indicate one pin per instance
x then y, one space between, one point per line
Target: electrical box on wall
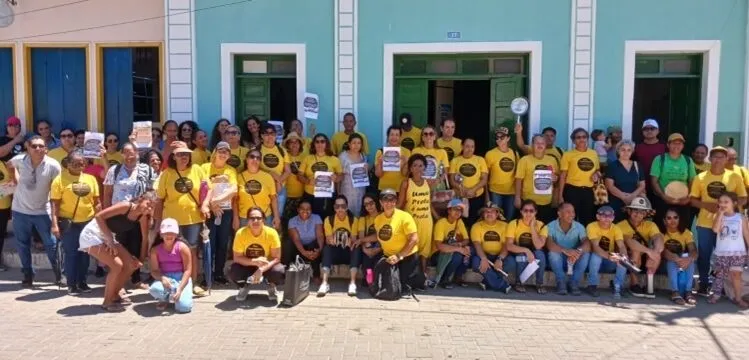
729 139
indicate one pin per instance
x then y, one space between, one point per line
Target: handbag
64 223
296 285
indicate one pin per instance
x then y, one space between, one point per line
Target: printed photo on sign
219 189
430 171
311 106
542 181
391 159
359 175
323 181
92 144
278 125
142 131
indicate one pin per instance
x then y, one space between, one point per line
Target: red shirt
645 153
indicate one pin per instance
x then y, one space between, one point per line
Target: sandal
113 308
713 298
691 300
161 306
741 304
519 288
124 301
677 299
540 289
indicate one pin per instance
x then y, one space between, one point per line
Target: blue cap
605 209
455 203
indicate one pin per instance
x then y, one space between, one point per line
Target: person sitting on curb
645 243
525 240
488 237
605 238
680 254
171 265
451 237
568 243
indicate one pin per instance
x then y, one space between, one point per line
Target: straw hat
180 147
492 206
292 136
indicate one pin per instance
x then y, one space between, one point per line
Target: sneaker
272 293
482 286
73 290
575 291
650 295
704 290
242 294
84 288
99 272
561 289
3 268
351 289
617 292
593 291
507 289
637 291
323 289
28 281
447 285
198 291
370 276
430 283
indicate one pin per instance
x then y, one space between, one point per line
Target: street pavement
45 323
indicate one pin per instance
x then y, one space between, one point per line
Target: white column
179 78
345 15
745 125
582 58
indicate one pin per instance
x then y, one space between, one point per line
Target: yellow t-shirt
605 238
580 166
70 189
555 153
5 177
646 228
534 185
272 160
520 233
114 159
294 187
708 187
677 242
435 157
305 146
393 232
340 138
502 167
255 190
199 156
340 229
418 201
217 184
256 246
491 237
705 166
58 154
452 147
236 159
391 179
471 169
366 225
313 163
445 232
741 172
175 192
411 139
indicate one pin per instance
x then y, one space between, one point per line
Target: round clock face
519 106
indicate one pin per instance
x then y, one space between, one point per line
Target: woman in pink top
171 265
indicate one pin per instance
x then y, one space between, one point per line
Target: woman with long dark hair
348 158
171 265
340 244
321 158
217 134
680 253
187 131
371 251
251 132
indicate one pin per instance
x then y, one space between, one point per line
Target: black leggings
292 252
4 218
583 201
132 240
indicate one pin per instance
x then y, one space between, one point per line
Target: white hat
169 226
650 122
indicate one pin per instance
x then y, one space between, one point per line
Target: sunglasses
388 198
37 146
321 141
112 140
256 218
429 133
65 136
254 157
606 214
340 206
182 154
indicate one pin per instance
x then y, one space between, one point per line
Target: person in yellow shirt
257 257
415 198
275 162
340 248
340 138
437 167
75 199
321 159
550 136
200 152
488 237
223 180
525 240
468 177
396 233
297 127
706 189
580 171
411 135
644 242
5 201
370 247
112 143
535 177
67 145
392 179
294 188
502 162
238 152
256 189
699 156
732 166
452 145
605 239
217 134
451 238
179 194
680 254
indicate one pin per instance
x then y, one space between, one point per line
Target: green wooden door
412 96
503 90
253 98
685 110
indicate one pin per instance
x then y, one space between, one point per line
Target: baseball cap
267 127
605 210
718 149
455 203
223 145
387 192
169 226
502 131
675 137
14 120
650 123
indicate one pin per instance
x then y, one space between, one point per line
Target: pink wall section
64 23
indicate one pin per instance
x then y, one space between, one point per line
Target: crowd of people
605 205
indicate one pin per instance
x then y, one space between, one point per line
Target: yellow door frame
100 74
27 47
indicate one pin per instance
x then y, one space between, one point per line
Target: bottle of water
172 293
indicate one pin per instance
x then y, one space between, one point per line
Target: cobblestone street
45 323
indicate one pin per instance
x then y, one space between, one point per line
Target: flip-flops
113 308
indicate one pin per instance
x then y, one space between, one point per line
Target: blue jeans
673 275
456 268
558 264
492 279
191 233
76 262
506 203
184 303
335 255
705 246
22 226
219 236
511 265
281 198
598 264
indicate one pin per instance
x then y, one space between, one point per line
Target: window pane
255 67
283 67
647 66
413 67
508 66
475 66
677 66
443 67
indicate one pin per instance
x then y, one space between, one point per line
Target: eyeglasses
65 136
232 132
339 206
256 218
254 157
606 214
321 141
369 203
112 140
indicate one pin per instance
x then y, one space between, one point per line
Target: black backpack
387 281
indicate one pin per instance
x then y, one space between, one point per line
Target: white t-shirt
32 193
730 241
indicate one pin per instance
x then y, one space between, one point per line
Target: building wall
265 22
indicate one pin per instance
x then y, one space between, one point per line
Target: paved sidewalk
44 323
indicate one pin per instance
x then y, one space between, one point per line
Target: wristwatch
400 258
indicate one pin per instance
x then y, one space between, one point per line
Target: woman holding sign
535 178
355 172
435 169
319 172
468 177
391 167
